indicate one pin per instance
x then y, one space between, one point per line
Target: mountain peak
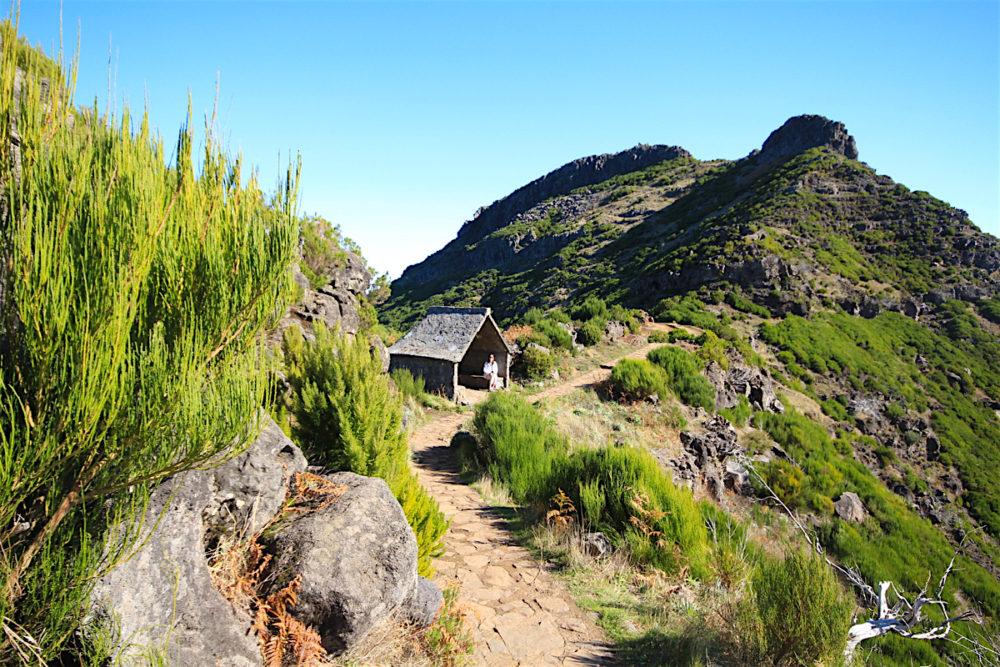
801 133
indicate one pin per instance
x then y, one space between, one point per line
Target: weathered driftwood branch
905 618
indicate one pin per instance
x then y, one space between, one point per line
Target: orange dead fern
239 571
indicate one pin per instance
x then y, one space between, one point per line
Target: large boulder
357 558
850 508
163 597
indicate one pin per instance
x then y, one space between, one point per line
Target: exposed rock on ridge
804 132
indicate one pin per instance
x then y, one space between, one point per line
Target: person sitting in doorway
492 373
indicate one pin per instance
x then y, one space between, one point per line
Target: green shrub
533 316
554 335
348 418
536 363
521 447
592 307
712 349
683 371
739 414
559 315
796 614
659 337
990 309
660 522
323 249
638 379
612 486
681 334
407 384
134 285
740 302
591 332
835 409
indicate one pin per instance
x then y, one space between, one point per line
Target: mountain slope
799 222
873 308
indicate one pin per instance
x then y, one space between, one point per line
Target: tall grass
131 298
621 491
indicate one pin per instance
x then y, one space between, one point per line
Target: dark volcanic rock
706 459
804 132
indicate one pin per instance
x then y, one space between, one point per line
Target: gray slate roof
445 333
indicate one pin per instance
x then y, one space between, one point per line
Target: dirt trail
520 613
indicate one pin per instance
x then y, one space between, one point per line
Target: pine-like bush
638 379
796 614
347 417
684 377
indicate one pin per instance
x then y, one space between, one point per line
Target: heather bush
683 374
133 289
536 363
590 332
796 613
638 379
347 417
622 491
659 337
408 385
591 308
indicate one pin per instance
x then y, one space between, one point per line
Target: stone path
520 613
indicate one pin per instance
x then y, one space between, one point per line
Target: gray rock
163 597
248 490
736 477
596 545
742 380
850 508
353 276
357 558
423 605
379 348
614 331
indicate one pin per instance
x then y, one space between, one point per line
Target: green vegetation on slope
877 356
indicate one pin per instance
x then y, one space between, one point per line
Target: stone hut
449 347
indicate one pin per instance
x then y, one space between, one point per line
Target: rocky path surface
519 612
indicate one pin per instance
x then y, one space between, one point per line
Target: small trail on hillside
520 614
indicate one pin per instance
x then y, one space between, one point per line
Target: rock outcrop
850 508
804 132
710 460
742 380
357 559
336 303
163 597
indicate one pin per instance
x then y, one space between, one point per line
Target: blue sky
410 116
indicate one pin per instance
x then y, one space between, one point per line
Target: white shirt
491 368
